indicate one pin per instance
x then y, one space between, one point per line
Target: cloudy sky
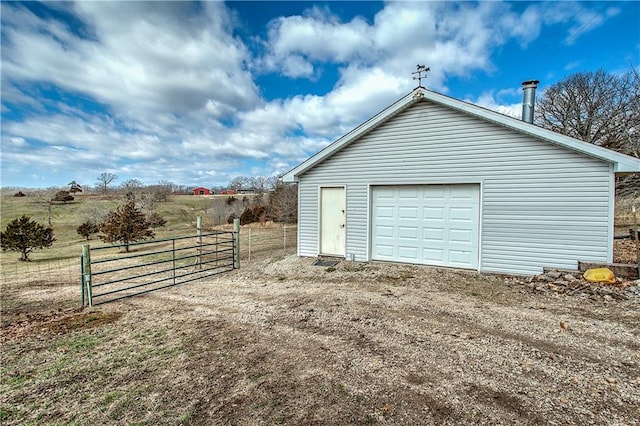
198 93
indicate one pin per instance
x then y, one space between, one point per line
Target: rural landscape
281 341
276 180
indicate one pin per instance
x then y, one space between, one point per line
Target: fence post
86 271
82 281
236 243
199 229
284 237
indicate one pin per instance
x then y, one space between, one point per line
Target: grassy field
60 263
180 211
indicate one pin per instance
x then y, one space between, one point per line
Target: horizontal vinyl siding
541 205
307 220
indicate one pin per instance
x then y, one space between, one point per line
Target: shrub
254 214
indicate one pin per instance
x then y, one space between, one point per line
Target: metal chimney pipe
529 99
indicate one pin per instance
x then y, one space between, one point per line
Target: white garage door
426 224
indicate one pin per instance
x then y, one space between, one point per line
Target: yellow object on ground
600 275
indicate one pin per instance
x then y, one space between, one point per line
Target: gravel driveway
401 344
283 342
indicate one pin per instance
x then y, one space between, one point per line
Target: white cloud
165 100
142 57
488 100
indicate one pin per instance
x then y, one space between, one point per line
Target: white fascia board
621 162
337 145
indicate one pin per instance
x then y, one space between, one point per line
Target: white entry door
426 224
332 221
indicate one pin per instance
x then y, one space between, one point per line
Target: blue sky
198 93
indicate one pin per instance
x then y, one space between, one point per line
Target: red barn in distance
201 191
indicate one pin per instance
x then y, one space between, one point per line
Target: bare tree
260 184
95 211
239 183
131 188
162 190
283 203
103 181
47 198
273 182
596 107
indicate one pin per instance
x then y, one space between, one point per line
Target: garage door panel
427 224
384 212
460 236
409 254
383 193
434 193
464 214
459 257
408 233
463 194
408 193
433 234
384 252
434 213
433 256
384 231
408 213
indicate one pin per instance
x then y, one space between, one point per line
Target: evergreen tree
156 221
87 229
126 224
25 235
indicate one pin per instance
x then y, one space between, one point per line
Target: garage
433 180
426 224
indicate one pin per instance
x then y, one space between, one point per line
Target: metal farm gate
108 274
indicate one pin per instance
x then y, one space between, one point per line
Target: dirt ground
281 341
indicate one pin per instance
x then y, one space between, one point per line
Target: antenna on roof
421 69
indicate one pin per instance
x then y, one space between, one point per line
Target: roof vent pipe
529 99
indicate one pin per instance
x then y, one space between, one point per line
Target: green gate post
81 281
236 243
86 271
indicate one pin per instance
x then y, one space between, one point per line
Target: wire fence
260 241
256 242
42 271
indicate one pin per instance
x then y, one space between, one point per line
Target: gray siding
541 205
